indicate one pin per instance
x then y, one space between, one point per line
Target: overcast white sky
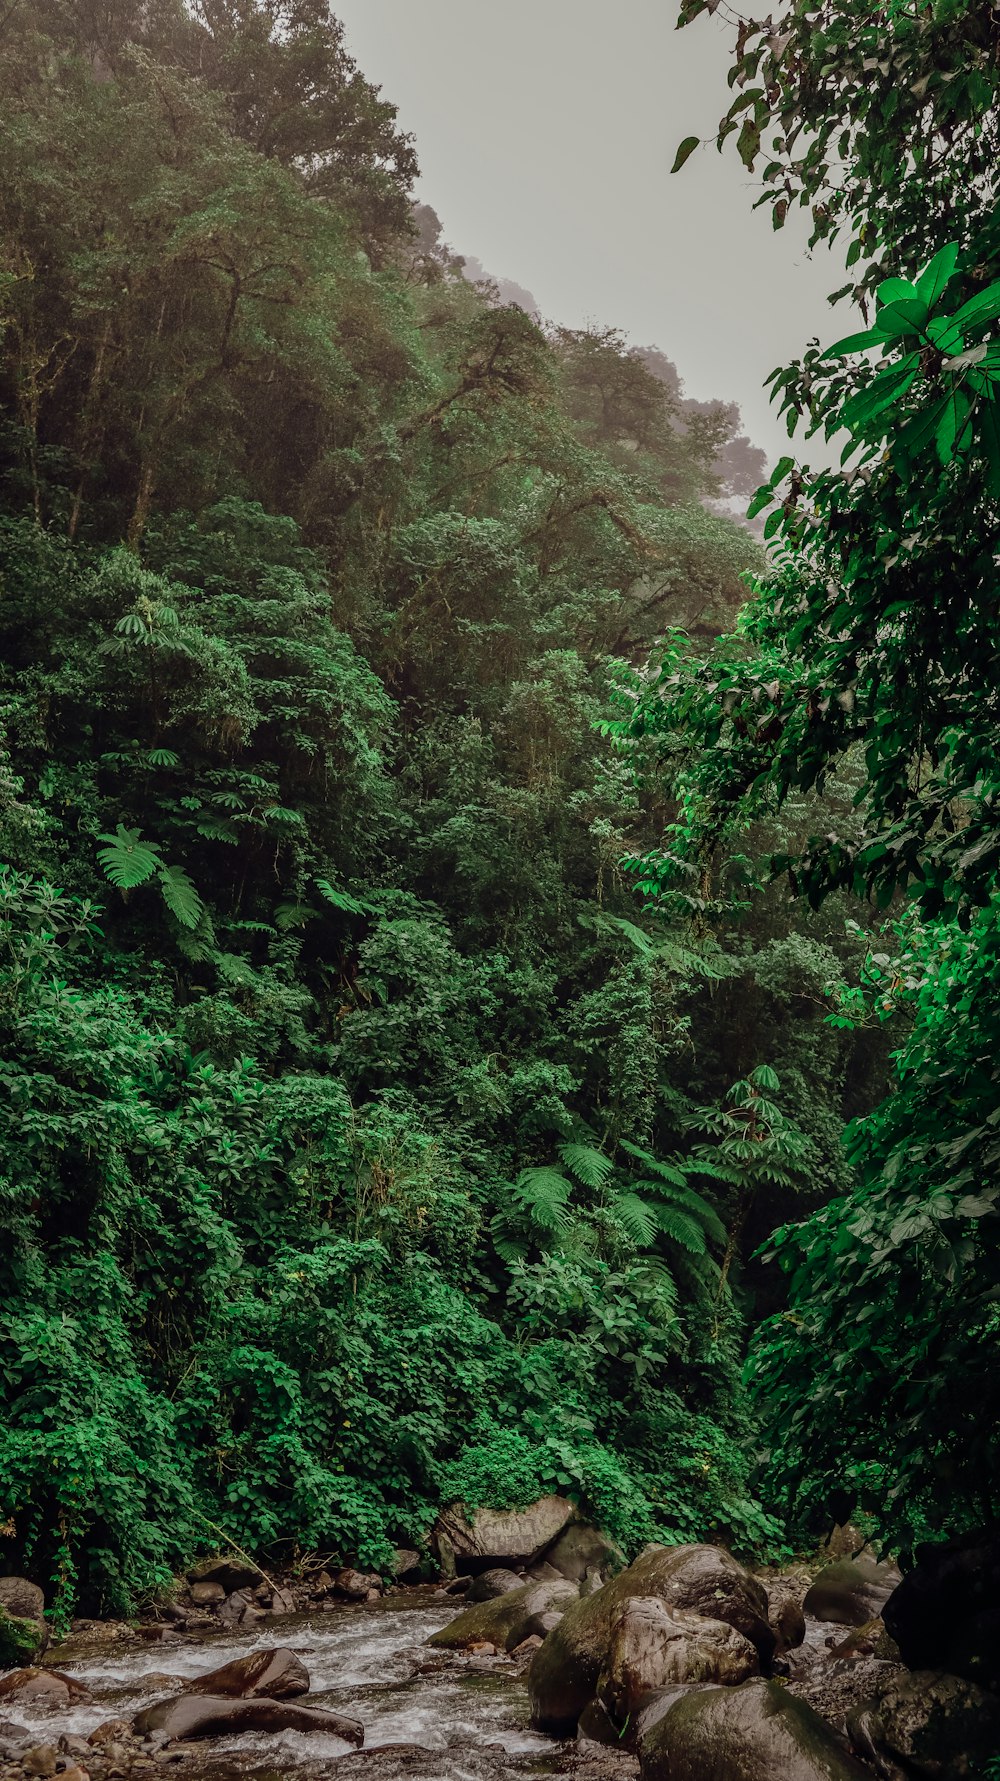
546 130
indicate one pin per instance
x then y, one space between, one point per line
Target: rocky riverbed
683 1667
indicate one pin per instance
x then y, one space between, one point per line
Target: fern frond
180 896
127 860
681 1228
544 1192
590 1167
341 899
638 1218
687 1199
671 1171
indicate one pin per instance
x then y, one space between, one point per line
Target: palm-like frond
544 1193
127 860
589 1166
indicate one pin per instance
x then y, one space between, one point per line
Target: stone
110 1732
653 1646
845 1541
24 1600
850 1591
231 1571
581 1549
527 1646
279 1674
283 1602
73 1772
789 1623
208 1593
357 1584
21 1640
406 1564
42 1759
945 1614
564 1674
520 1534
870 1640
506 1620
72 1745
934 1724
493 1583
210 1716
757 1731
50 1688
239 1609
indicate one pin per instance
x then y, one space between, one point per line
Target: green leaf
854 343
988 424
685 152
342 899
892 290
180 896
885 389
985 307
937 274
681 1229
904 317
637 1216
951 425
128 860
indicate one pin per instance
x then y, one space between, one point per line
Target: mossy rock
21 1641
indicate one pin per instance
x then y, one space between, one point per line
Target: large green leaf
127 860
180 896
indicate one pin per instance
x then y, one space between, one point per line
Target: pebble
43 1759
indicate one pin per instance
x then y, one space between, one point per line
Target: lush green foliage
363 1142
862 680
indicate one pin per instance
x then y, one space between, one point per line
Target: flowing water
435 1715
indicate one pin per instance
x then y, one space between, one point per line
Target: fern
342 899
180 896
681 1228
127 860
589 1166
637 1217
544 1192
687 1199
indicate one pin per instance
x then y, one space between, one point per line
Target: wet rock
490 1584
653 1646
945 1613
870 1640
507 1620
208 1716
283 1602
49 1688
24 1600
71 1745
208 1593
73 1772
110 1734
357 1584
851 1591
527 1646
239 1609
597 1726
703 1579
789 1624
102 1632
845 1541
500 1533
581 1548
42 1759
21 1640
757 1731
278 1674
834 1686
406 1564
232 1572
936 1725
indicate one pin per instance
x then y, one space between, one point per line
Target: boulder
851 1591
239 1609
945 1614
358 1585
42 1760
208 1716
757 1731
22 1599
231 1572
703 1579
507 1620
50 1688
788 1623
580 1549
283 1602
936 1725
278 1674
207 1594
406 1564
21 1640
653 1646
491 1534
493 1583
870 1640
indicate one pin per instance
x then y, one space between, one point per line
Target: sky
546 130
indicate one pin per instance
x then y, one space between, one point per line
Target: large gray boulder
507 1619
654 1647
22 1599
851 1591
212 1716
490 1584
706 1580
941 1726
492 1534
756 1732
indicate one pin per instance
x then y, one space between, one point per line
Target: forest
499 954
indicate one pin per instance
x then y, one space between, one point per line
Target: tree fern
127 860
544 1193
342 899
681 1228
637 1216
